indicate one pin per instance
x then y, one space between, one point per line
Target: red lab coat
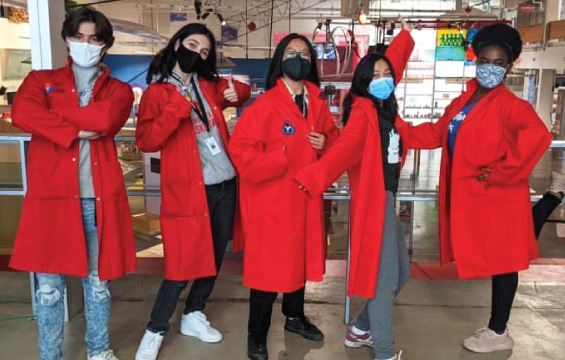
50 236
486 227
358 150
283 229
164 125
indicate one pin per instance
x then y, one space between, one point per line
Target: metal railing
341 194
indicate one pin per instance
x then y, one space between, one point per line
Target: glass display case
435 75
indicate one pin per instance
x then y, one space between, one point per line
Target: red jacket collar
473 85
313 91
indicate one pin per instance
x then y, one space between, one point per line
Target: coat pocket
179 199
50 178
113 180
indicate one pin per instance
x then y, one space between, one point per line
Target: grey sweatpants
394 272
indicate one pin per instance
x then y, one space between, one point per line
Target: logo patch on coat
288 128
49 88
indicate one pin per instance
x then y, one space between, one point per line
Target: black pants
261 309
504 286
221 204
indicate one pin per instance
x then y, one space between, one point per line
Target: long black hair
275 66
163 63
387 109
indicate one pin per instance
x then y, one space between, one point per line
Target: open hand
404 24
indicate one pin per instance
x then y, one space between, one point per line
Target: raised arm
159 117
31 113
399 51
346 152
226 89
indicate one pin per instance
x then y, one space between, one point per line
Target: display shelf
416 118
430 77
447 91
428 85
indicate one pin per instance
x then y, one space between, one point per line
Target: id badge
213 146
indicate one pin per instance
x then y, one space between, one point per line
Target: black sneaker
257 348
303 327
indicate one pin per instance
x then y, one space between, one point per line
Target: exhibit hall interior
255 179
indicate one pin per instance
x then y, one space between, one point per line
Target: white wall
13 36
551 58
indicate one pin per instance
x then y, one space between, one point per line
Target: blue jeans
50 299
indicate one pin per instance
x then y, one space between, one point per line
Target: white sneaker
106 355
149 346
397 356
485 341
197 325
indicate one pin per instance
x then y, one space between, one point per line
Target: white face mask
85 54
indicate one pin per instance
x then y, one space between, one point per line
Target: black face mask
189 61
296 68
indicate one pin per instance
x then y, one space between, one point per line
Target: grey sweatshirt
216 167
85 78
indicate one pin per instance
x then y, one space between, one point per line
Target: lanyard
200 112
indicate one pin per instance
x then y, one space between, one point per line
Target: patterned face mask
490 76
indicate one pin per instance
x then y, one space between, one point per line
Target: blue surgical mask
381 88
490 76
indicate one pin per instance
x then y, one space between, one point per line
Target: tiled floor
432 317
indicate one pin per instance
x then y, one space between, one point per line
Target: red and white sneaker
353 340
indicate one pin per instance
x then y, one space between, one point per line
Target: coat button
96 163
76 196
74 159
200 183
73 90
206 214
97 199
